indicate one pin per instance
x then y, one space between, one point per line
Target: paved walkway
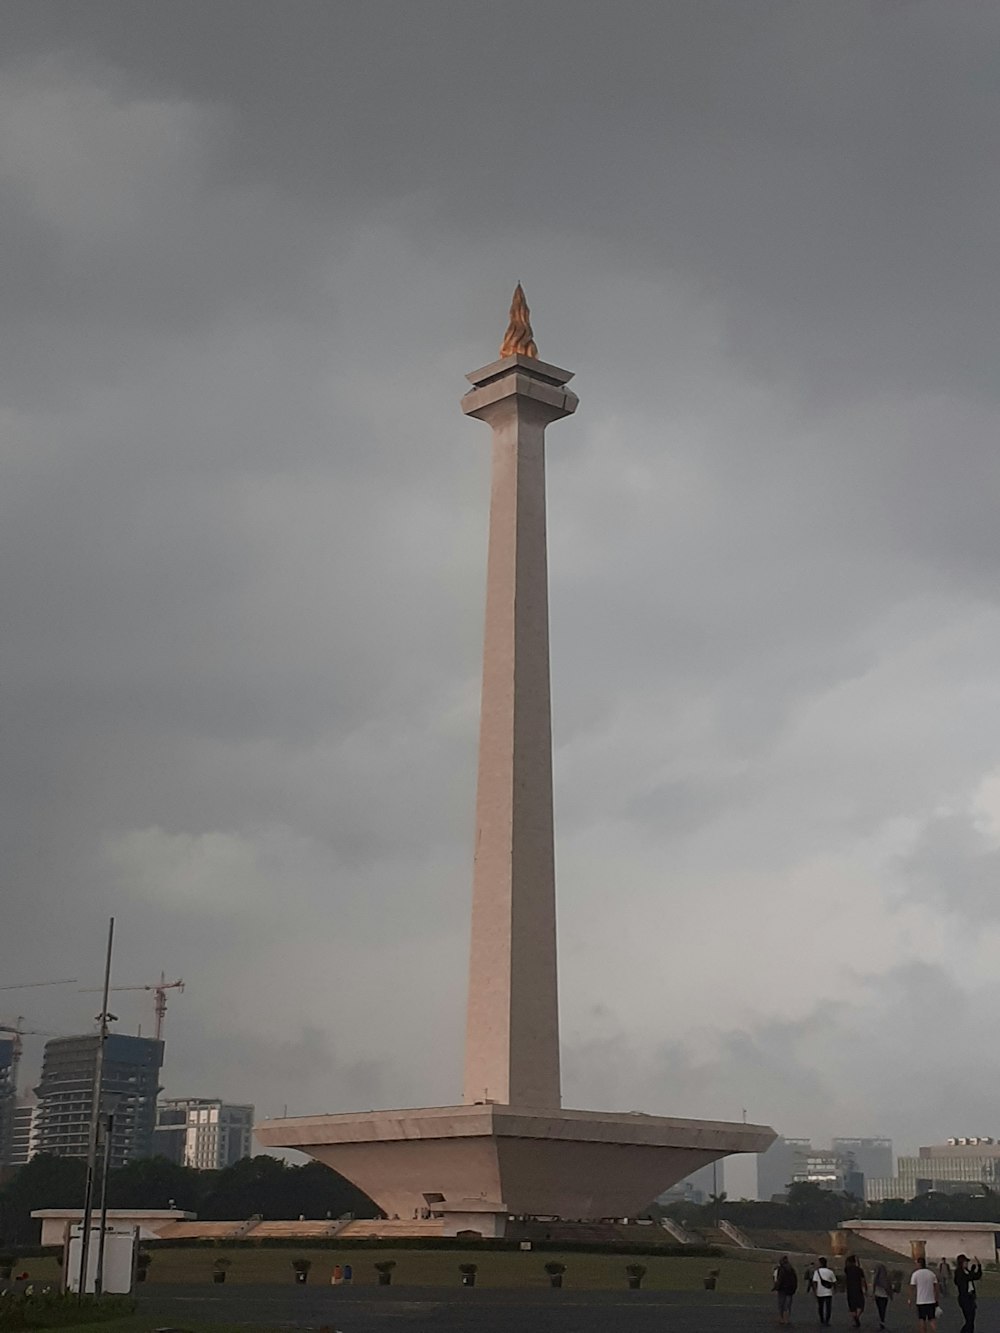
490 1310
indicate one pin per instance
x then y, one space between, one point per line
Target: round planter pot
710 1284
556 1279
384 1279
468 1279
301 1278
634 1283
218 1277
140 1275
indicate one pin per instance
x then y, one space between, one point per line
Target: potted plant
712 1279
220 1266
636 1272
302 1267
468 1272
384 1269
555 1271
142 1261
7 1262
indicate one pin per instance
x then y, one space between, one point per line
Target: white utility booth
119 1258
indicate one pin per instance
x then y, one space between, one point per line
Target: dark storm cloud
808 1073
249 251
822 169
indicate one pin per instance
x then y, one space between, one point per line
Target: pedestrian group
926 1289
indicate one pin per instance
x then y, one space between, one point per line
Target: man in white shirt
924 1291
823 1282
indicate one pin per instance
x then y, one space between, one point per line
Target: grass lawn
439 1268
739 1273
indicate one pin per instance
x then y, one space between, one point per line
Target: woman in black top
857 1288
786 1284
966 1277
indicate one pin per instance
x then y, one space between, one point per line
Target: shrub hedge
438 1243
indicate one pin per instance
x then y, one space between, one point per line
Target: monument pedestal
476 1165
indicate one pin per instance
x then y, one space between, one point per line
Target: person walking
881 1291
857 1288
966 1277
823 1282
925 1293
944 1277
786 1284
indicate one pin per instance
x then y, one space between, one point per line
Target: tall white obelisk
512 1030
511 1149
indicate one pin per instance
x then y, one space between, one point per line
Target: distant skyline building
203 1132
23 1136
955 1166
845 1166
830 1171
130 1088
8 1097
699 1186
776 1167
872 1157
739 1176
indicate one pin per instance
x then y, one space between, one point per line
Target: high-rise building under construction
130 1083
8 1097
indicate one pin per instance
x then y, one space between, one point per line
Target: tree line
261 1185
276 1190
809 1207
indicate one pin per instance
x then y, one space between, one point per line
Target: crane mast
159 989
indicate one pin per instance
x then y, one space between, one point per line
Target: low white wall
942 1240
57 1221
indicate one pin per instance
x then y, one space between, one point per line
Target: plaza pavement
502 1310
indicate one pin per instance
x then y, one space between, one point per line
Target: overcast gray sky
249 252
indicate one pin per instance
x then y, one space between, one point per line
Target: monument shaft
512 1031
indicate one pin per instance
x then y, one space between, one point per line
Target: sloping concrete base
578 1165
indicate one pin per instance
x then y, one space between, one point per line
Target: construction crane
159 989
18 1031
27 985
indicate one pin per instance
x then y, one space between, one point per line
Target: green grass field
738 1272
437 1268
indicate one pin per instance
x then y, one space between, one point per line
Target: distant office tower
845 1166
696 1188
130 1085
8 1096
22 1139
740 1179
776 1168
960 1166
202 1132
872 1157
830 1171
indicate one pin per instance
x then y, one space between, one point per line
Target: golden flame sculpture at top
519 339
